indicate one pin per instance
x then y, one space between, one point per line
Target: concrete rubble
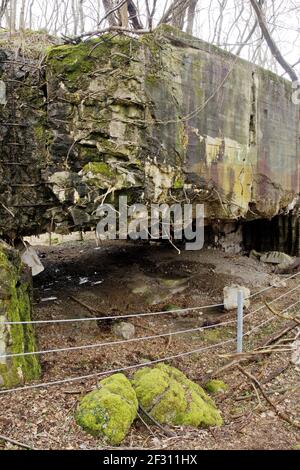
231 294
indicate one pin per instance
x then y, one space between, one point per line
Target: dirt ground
120 278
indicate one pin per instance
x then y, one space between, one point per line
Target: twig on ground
165 431
270 392
83 304
278 335
16 443
282 315
286 391
275 373
146 425
205 378
7 209
279 413
256 393
73 392
256 352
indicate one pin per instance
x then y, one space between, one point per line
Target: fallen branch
279 413
92 310
244 356
73 392
165 431
276 336
287 390
205 378
273 375
256 352
145 424
270 392
268 379
282 315
95 312
16 443
99 32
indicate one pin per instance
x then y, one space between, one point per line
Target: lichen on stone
110 410
171 398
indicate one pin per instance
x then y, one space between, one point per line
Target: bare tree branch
174 12
271 43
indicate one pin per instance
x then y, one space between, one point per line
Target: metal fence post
240 321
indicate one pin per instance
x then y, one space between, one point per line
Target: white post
240 321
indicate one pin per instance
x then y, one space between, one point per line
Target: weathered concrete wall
238 141
161 117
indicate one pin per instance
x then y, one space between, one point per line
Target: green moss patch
109 411
171 398
15 306
99 174
216 386
72 62
98 168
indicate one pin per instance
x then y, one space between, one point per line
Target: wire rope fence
218 345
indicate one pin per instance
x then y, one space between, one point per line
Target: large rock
282 260
171 398
15 306
124 330
276 257
110 410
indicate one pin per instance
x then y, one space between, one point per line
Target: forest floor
122 278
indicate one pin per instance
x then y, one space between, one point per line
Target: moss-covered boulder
216 386
171 398
15 306
110 410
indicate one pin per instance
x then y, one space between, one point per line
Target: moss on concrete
98 168
15 306
73 62
110 410
171 398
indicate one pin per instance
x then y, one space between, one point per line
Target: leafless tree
264 31
191 16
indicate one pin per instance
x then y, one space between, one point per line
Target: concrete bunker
157 118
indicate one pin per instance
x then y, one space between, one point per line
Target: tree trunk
108 7
123 14
175 14
13 13
81 16
134 15
179 12
191 16
22 16
3 8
